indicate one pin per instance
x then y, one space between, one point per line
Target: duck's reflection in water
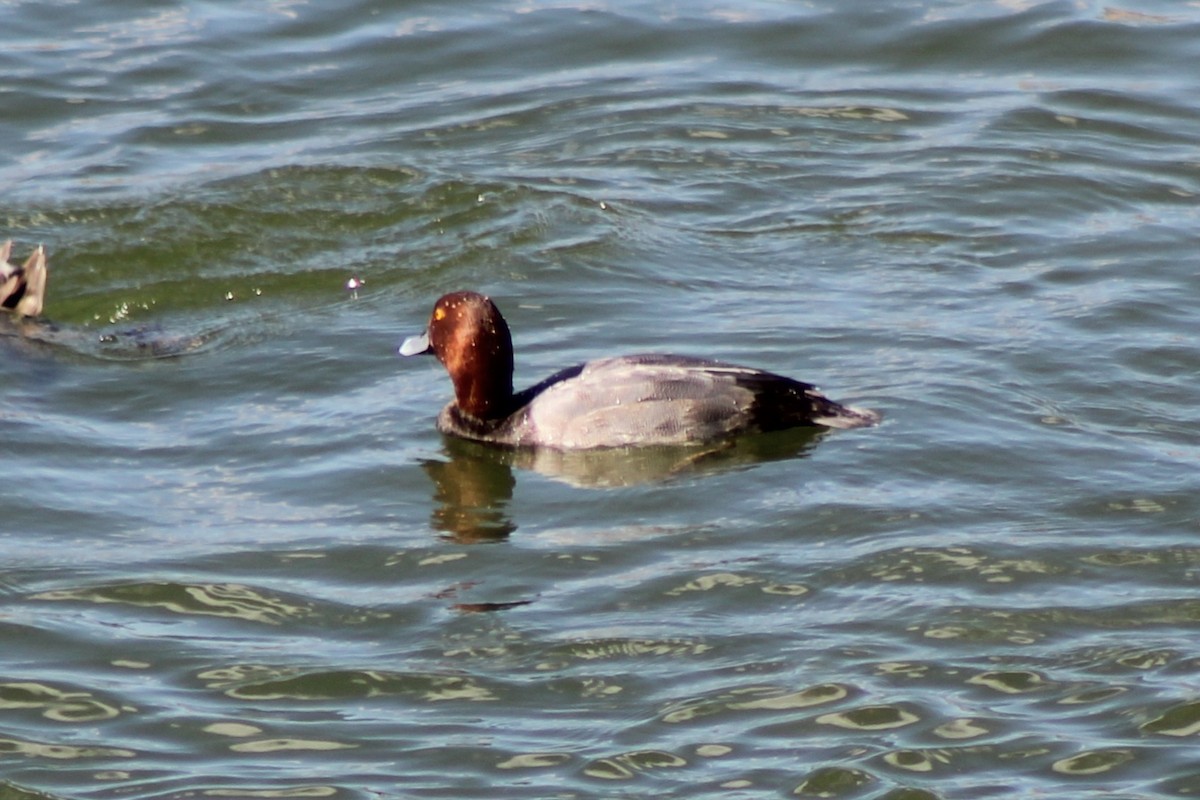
473 487
471 492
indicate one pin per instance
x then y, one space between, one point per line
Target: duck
634 400
23 289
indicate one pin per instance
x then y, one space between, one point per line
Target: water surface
238 561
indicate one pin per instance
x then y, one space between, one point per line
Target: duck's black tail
781 403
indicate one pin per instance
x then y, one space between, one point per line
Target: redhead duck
646 399
23 289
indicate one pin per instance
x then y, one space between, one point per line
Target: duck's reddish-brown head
469 336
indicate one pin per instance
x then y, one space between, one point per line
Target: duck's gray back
654 399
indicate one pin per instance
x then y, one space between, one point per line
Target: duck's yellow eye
439 314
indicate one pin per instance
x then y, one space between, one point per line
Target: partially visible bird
23 288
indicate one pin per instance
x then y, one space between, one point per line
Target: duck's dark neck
484 399
484 388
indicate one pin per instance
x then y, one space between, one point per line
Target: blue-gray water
236 560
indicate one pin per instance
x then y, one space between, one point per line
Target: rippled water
236 560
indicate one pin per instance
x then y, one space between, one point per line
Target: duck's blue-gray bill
416 345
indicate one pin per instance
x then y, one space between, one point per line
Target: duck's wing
777 402
642 399
665 399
